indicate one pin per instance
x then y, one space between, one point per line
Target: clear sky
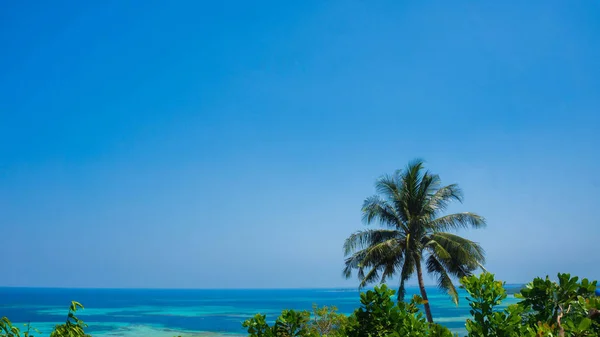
231 143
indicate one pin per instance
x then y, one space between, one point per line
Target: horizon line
232 288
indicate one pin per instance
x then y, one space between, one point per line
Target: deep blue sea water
154 312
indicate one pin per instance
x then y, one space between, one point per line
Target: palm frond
375 208
439 200
367 238
376 254
390 268
353 262
411 178
381 257
436 248
459 255
434 266
456 221
370 277
387 186
428 184
386 267
382 252
412 172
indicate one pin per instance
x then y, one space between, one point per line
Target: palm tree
409 204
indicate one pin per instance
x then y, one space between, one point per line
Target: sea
191 312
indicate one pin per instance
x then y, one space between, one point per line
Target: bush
485 295
328 322
379 316
565 308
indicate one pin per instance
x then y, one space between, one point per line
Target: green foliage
485 295
257 326
436 330
293 323
73 327
290 323
7 329
328 322
565 308
410 205
379 316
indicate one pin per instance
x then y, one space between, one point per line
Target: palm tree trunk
424 293
401 291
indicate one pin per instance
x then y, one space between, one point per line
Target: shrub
565 308
328 322
379 316
485 295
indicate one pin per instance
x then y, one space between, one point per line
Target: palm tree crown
410 204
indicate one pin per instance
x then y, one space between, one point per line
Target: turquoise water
162 313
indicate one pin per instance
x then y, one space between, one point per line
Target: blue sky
231 143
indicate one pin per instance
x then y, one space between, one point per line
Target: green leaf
584 324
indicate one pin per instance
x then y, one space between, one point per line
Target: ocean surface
162 313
